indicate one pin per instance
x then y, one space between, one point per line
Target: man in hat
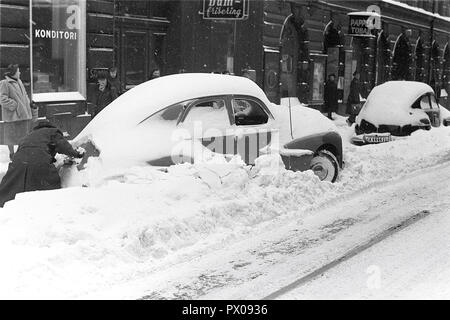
16 108
32 167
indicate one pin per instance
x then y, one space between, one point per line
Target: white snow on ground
411 264
74 242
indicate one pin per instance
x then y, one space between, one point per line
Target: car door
207 121
253 127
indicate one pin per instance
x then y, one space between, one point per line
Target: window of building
148 8
134 58
58 29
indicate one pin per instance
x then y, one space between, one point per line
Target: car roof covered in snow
390 102
149 97
397 94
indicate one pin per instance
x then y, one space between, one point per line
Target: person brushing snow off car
32 166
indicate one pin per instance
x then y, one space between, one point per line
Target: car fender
331 141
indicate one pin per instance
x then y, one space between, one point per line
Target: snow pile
132 222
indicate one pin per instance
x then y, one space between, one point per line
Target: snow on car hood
305 122
390 103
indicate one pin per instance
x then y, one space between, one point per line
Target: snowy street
412 264
229 231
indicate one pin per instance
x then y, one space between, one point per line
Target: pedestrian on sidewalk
105 93
354 100
17 111
114 80
331 96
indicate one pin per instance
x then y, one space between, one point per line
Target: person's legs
11 151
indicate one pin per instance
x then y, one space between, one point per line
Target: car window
248 112
211 114
169 115
434 103
425 102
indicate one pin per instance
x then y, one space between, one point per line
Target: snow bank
139 220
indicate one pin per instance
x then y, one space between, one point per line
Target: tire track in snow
360 248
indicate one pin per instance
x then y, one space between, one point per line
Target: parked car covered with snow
398 108
174 119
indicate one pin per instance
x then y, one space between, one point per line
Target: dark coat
353 96
116 85
103 98
331 96
32 166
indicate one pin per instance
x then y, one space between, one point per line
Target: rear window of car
167 115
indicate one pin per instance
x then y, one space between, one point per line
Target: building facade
290 46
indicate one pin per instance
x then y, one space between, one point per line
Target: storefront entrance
142 51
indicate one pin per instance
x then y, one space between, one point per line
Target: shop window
58 50
142 8
317 78
133 58
133 8
221 47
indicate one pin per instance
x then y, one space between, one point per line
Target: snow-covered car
168 120
398 108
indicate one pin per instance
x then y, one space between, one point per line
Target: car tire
325 165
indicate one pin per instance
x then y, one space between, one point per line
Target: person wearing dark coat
32 166
115 81
331 96
104 95
353 98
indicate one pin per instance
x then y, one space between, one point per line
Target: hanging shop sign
363 24
225 9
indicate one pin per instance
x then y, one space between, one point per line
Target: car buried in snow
396 109
166 121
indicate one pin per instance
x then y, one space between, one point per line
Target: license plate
376 138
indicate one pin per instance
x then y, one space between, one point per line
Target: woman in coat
32 167
16 110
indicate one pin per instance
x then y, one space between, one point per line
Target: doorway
142 51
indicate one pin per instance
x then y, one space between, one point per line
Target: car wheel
325 165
